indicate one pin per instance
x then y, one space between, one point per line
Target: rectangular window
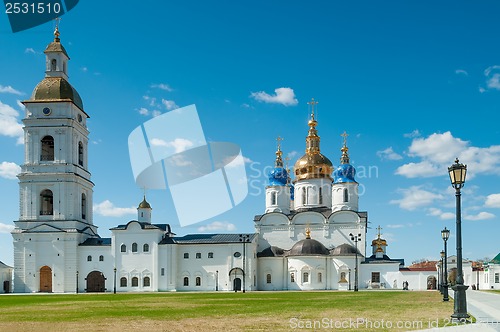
497 278
162 271
376 277
210 255
268 278
198 255
320 278
186 255
292 277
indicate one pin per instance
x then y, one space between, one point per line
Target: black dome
344 250
308 247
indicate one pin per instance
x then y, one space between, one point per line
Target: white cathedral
311 235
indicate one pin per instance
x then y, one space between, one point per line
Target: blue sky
414 83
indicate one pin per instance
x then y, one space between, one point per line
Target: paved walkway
485 306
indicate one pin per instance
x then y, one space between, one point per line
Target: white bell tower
345 188
278 190
54 183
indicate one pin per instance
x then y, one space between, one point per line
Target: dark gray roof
384 259
345 250
207 239
96 241
308 247
3 265
144 225
325 211
271 252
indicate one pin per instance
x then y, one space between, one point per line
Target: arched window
292 277
123 282
134 247
273 198
89 258
53 65
320 277
47 148
198 281
342 277
303 195
146 282
123 248
46 203
346 195
135 282
320 195
145 247
305 277
84 206
101 258
80 153
186 281
268 278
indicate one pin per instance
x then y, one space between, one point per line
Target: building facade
311 236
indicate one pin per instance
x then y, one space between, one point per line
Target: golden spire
345 156
312 139
379 229
279 160
308 233
56 31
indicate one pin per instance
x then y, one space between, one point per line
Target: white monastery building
310 236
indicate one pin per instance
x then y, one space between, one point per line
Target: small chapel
311 234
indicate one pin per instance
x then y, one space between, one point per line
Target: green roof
496 260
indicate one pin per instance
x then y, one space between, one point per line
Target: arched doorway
45 279
95 282
431 282
237 284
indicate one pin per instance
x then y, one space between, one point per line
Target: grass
252 311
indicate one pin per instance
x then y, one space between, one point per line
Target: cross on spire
279 139
379 229
344 135
312 103
56 30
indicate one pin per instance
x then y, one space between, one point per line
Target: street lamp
76 282
441 274
457 174
114 281
217 280
445 234
244 238
356 238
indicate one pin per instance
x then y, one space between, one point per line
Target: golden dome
379 241
313 165
144 204
52 89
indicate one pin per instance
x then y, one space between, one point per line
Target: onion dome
345 172
308 247
144 204
313 164
52 89
278 175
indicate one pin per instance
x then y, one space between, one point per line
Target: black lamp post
244 238
457 174
76 282
445 234
114 280
441 273
217 280
356 238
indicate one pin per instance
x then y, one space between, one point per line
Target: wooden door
95 282
46 279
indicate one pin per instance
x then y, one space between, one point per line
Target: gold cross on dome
379 229
344 135
312 103
279 139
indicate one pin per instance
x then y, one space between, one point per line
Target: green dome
56 89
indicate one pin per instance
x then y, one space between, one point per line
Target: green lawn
256 311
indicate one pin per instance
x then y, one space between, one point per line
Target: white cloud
217 226
178 144
488 70
493 201
245 105
481 89
169 104
9 126
480 216
143 111
107 209
413 134
461 72
292 154
84 69
162 86
438 151
493 78
29 50
9 89
6 229
9 170
415 197
389 154
284 96
442 215
395 226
